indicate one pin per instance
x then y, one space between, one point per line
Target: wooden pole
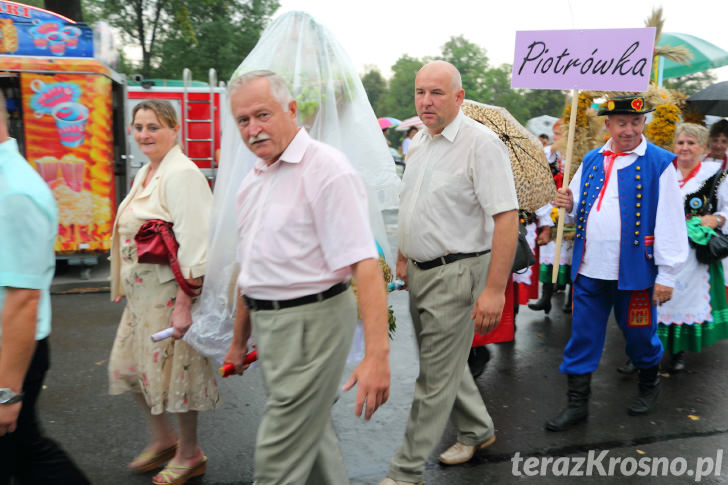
567 171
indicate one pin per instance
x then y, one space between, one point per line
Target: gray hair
278 86
698 132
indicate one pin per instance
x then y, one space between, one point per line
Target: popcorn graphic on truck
61 101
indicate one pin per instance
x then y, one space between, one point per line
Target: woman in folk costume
546 220
526 281
718 154
718 144
334 109
697 314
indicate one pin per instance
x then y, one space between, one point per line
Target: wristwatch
7 396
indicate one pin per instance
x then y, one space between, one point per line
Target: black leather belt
254 304
450 258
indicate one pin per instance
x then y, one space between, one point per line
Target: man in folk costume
629 244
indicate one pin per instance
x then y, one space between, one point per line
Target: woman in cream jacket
167 376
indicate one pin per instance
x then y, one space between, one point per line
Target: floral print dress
172 376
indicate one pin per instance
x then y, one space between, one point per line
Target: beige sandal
150 460
179 474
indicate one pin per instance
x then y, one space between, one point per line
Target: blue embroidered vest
639 190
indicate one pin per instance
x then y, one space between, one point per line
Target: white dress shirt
455 182
603 227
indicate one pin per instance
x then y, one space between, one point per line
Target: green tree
186 33
545 102
67 8
399 101
221 32
376 87
692 83
140 22
472 62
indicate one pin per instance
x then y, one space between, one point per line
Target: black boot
544 303
568 300
478 358
577 408
627 368
649 390
678 362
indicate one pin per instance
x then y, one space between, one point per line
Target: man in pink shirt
303 233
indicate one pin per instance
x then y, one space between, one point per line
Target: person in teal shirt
28 227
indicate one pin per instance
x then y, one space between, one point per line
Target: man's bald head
438 94
445 67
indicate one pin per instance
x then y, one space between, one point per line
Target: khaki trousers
441 304
302 352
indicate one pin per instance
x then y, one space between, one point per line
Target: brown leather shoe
460 453
389 481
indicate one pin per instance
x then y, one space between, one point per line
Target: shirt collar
452 129
292 154
639 150
9 146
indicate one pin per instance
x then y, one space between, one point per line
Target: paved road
521 387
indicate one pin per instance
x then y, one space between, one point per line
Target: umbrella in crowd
705 55
534 183
712 100
542 125
387 121
409 123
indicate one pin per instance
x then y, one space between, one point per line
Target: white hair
278 86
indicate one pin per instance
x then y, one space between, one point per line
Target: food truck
67 111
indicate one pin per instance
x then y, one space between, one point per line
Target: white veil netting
334 108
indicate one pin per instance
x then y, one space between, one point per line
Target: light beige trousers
441 304
302 352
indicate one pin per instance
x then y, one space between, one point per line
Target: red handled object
228 369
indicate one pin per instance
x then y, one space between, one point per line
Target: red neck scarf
608 171
723 165
690 175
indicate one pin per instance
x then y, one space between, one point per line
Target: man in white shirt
304 231
458 226
629 245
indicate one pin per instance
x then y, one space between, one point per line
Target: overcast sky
378 32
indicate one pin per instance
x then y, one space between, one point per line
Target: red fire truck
198 109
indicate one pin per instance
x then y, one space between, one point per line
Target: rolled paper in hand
162 334
397 284
228 369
